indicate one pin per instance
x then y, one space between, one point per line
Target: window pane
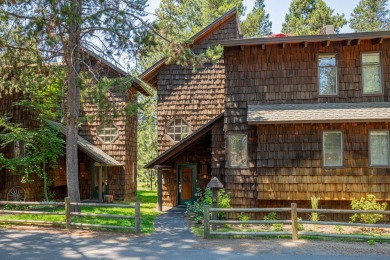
328 85
238 150
379 148
327 60
332 150
177 129
371 73
370 58
108 133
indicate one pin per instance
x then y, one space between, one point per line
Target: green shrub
271 216
274 216
367 204
314 205
300 226
195 208
339 229
277 227
244 217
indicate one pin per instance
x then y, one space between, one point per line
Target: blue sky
277 10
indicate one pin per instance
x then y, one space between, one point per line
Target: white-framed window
107 133
379 147
238 150
177 129
327 75
371 73
332 148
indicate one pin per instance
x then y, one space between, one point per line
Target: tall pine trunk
72 59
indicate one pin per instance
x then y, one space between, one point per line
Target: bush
244 217
195 208
367 204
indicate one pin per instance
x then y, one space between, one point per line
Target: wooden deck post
159 188
137 217
67 212
206 224
100 179
294 221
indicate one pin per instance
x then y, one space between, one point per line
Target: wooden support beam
355 42
159 188
326 43
100 179
304 45
377 41
346 42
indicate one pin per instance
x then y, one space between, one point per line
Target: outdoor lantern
214 185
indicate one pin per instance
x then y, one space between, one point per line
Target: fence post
206 219
137 218
294 221
67 212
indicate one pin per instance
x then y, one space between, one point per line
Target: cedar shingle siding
280 75
285 159
195 97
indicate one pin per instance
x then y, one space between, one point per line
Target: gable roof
137 84
183 144
149 75
348 37
92 151
319 113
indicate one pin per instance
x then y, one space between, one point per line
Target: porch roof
319 113
89 149
183 144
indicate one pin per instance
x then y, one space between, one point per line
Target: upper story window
332 148
107 133
379 148
238 150
371 73
177 129
327 75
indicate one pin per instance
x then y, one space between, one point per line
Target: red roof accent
279 35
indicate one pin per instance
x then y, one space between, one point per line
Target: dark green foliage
147 139
370 15
257 23
195 208
307 17
42 147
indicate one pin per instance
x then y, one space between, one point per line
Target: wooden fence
69 214
293 222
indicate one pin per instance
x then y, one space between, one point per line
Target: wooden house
107 151
277 120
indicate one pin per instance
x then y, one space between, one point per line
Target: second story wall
290 75
193 98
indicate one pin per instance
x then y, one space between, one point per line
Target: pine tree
60 28
307 17
370 15
257 23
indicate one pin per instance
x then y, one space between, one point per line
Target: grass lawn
148 201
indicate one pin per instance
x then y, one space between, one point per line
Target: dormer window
177 129
107 133
327 75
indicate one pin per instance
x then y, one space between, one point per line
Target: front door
187 183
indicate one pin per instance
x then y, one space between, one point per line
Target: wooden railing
69 214
293 222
